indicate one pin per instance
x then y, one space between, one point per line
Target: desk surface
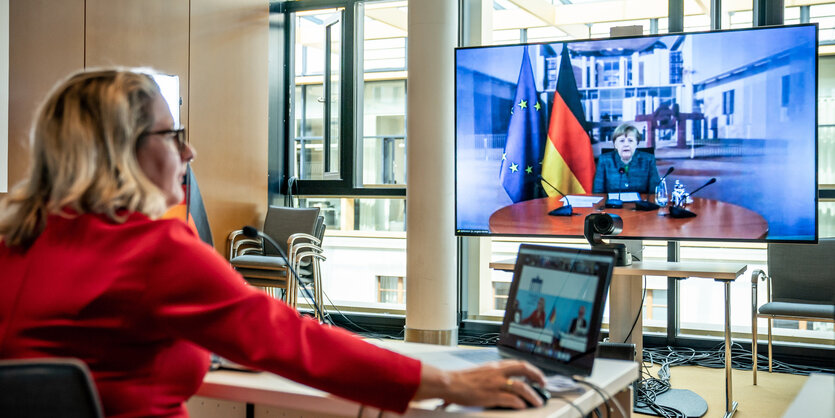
718 270
815 398
269 389
715 220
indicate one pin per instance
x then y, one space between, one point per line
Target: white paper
582 201
625 196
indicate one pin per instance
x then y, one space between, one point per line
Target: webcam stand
622 255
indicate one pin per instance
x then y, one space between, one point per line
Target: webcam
598 225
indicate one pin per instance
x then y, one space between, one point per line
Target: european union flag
522 155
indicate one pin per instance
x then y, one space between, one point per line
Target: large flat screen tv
604 120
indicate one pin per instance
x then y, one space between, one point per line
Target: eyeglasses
178 135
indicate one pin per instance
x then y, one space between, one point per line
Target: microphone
709 182
677 212
253 232
646 205
564 210
616 203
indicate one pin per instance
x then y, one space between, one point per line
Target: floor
771 396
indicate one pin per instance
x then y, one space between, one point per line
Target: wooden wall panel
140 33
228 114
46 43
217 47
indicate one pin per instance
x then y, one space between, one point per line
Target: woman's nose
188 154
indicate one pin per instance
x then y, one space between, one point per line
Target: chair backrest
47 388
802 272
281 222
320 228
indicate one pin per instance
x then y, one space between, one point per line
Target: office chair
37 388
259 263
799 283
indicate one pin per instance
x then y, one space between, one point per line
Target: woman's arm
599 184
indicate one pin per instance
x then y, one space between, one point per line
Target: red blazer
143 303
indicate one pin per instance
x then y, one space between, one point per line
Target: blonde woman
90 272
627 169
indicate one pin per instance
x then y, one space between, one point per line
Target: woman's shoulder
127 228
645 155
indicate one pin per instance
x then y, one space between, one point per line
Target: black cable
606 397
640 311
363 331
569 401
715 358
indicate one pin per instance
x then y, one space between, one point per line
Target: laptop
554 310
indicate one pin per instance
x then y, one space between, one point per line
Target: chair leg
319 295
754 346
291 290
769 344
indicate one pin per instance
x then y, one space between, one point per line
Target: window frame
349 181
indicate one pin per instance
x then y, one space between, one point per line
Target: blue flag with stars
521 160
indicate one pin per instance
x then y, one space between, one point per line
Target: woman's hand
499 383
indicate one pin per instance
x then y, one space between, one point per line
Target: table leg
624 305
730 405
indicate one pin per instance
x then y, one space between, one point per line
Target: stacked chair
300 232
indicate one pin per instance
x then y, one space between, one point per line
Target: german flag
569 161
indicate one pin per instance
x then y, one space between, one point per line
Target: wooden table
613 376
625 301
715 220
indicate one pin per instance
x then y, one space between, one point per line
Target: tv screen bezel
466 233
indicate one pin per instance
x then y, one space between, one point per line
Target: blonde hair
83 154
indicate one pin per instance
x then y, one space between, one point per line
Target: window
362 193
785 91
806 11
317 72
348 107
737 14
391 289
728 102
500 292
655 305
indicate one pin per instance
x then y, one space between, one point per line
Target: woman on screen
537 317
627 169
89 272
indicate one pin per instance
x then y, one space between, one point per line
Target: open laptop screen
555 307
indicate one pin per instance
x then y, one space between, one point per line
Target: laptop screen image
555 307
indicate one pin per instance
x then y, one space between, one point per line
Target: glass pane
826 219
703 300
500 291
824 16
384 142
696 16
367 214
334 33
384 93
826 120
737 14
309 103
514 22
355 263
308 131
